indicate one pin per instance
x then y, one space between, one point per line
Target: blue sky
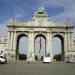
23 10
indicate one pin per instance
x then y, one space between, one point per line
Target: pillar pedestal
31 55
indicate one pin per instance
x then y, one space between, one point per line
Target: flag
39 45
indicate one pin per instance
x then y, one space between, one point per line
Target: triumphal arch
40 25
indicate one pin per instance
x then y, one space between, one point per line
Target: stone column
14 46
70 44
66 45
68 41
11 46
48 49
49 44
31 55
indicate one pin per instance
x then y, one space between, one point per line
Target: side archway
60 39
21 55
39 46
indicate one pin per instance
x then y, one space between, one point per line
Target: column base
30 57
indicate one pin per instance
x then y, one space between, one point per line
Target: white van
47 58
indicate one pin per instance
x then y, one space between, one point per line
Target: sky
58 10
23 10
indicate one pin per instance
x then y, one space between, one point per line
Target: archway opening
22 47
40 46
58 47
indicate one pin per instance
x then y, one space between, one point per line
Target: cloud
3 30
20 8
68 5
24 9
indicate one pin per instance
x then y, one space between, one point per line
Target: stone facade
3 45
73 53
40 25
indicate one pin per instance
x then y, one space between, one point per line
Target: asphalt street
37 68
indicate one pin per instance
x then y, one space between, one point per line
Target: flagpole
40 45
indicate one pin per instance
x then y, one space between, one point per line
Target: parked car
70 60
3 60
47 58
67 60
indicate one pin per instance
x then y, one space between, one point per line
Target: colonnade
12 43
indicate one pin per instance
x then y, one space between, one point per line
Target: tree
57 57
22 56
41 57
36 57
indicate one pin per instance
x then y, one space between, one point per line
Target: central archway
21 51
40 46
59 44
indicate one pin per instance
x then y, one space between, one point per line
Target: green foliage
36 57
41 57
57 57
22 56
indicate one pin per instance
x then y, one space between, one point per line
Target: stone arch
43 39
62 44
19 34
42 35
17 44
33 28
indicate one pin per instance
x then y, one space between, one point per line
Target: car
3 60
67 60
70 60
47 58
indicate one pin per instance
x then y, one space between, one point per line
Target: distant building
3 44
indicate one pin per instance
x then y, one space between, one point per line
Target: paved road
22 68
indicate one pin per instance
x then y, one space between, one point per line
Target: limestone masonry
40 25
